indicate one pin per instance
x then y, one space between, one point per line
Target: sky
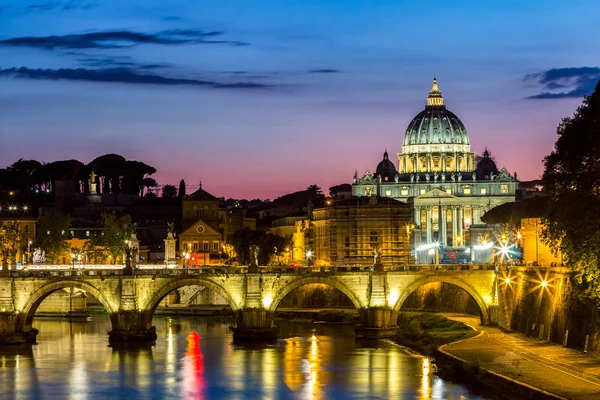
256 99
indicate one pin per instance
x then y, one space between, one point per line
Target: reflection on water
194 358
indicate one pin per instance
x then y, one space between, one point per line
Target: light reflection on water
194 358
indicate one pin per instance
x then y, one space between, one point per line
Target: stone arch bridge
131 300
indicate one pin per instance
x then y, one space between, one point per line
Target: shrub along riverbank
425 332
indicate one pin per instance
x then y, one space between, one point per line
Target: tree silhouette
181 192
169 191
572 182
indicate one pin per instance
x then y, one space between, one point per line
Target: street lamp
309 254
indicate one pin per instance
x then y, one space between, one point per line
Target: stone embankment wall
548 311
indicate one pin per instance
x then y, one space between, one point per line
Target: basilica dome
386 169
436 124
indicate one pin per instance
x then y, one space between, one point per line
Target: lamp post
309 255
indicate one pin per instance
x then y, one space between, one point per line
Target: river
194 358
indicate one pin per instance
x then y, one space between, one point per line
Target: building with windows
449 187
206 227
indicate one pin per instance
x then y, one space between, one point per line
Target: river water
194 358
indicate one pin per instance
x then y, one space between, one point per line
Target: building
368 230
448 187
535 251
207 227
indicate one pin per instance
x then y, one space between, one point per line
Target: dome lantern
435 98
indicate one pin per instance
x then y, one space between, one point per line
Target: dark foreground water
194 358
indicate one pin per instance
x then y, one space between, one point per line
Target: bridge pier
254 324
377 323
131 326
12 330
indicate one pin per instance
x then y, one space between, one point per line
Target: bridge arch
157 297
485 318
296 283
40 295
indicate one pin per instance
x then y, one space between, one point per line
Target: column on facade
475 214
428 221
461 225
443 162
457 162
442 226
454 227
418 217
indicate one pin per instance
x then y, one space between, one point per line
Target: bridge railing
116 270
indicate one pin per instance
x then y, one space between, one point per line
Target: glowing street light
309 255
544 283
507 280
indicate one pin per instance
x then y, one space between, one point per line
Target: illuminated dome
436 124
386 169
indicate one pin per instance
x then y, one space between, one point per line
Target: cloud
106 61
119 75
572 82
118 39
62 5
324 71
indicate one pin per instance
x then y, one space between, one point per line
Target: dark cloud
324 71
572 82
118 39
62 5
119 75
105 61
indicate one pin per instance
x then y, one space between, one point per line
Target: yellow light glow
267 300
392 297
544 283
519 236
487 299
507 280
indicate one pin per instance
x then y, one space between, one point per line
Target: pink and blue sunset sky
262 98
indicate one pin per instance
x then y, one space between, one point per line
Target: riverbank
525 365
426 332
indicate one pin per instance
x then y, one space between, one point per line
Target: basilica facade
448 187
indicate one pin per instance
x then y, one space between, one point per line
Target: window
205 246
87 233
483 191
503 189
404 191
422 191
373 237
196 246
448 190
367 191
388 193
215 246
347 241
467 190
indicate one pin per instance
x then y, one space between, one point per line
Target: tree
109 168
111 244
268 244
169 191
572 182
53 235
181 192
12 241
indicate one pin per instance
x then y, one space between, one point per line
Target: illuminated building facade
206 227
448 187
